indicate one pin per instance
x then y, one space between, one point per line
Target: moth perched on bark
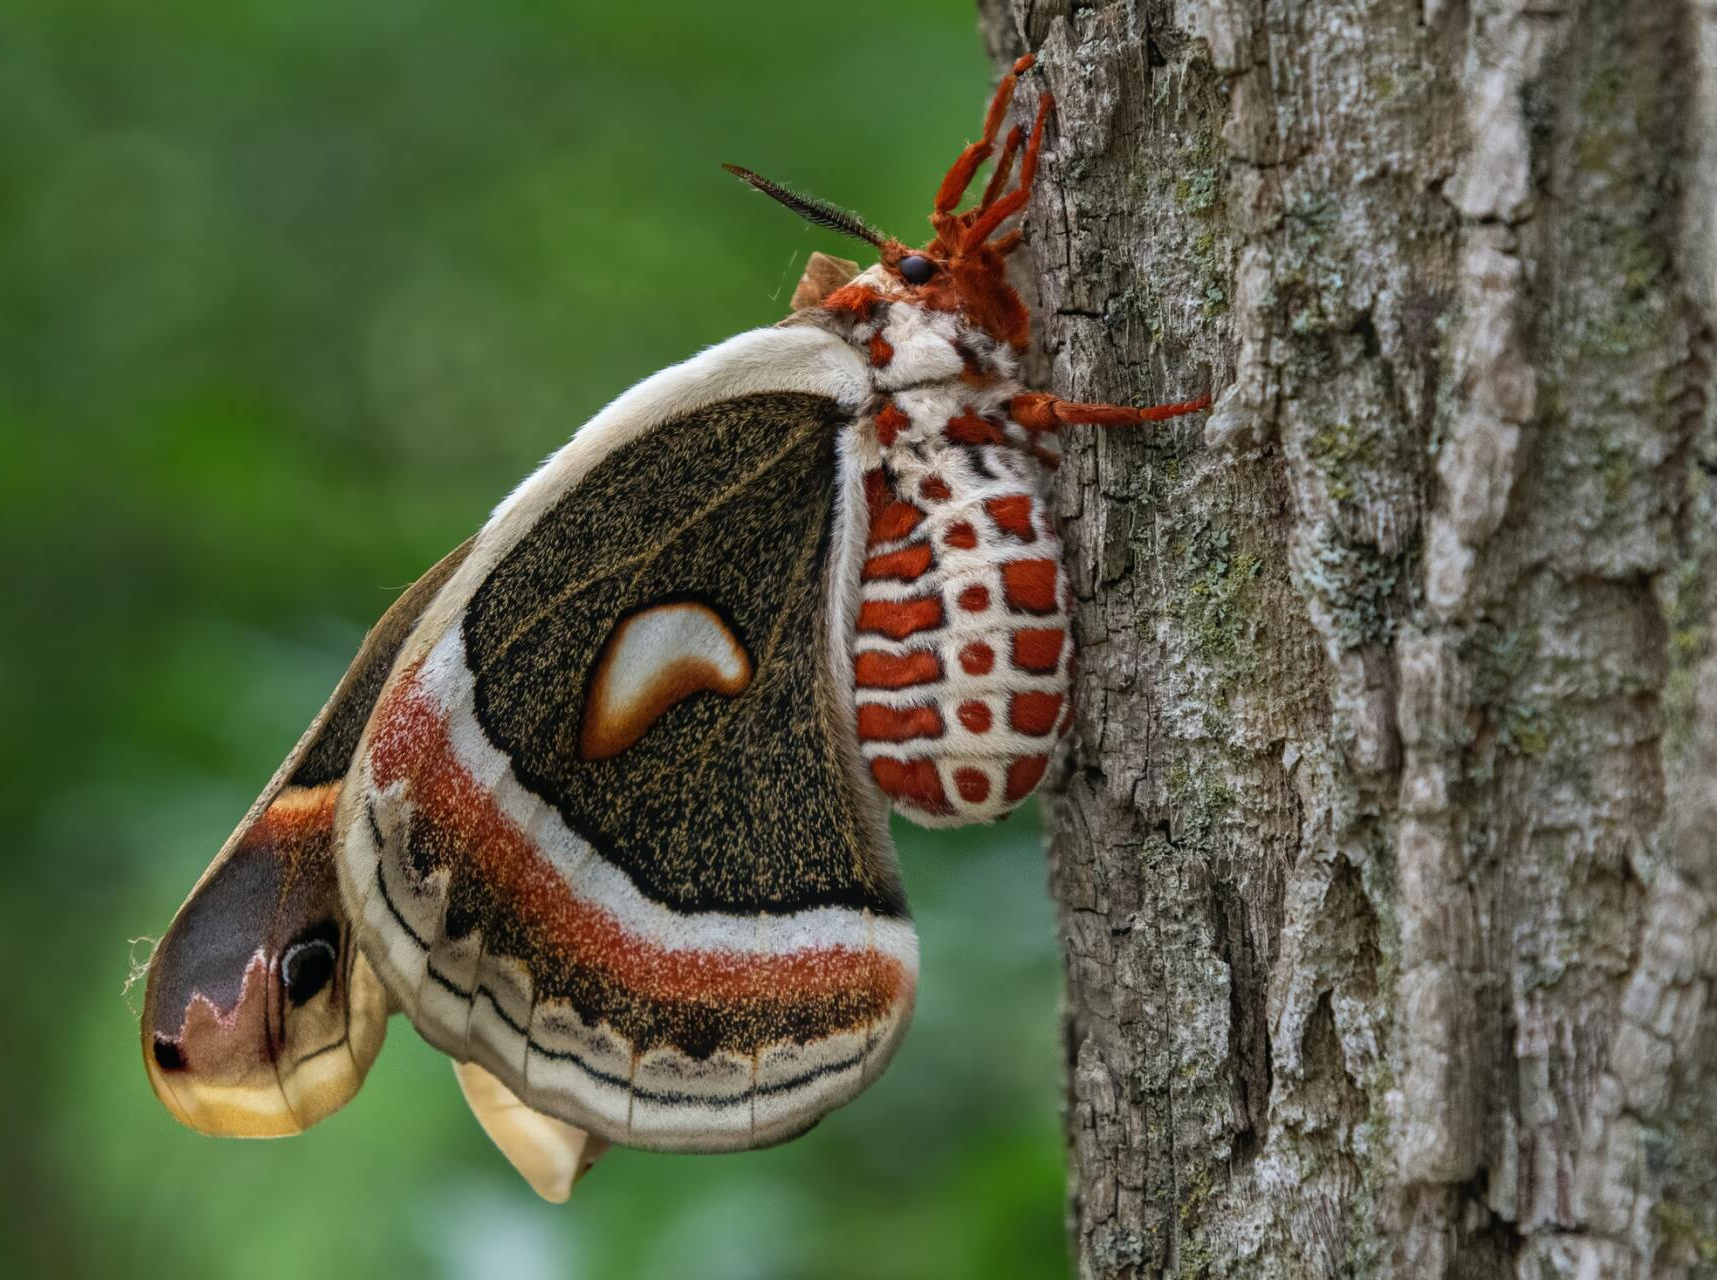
601 805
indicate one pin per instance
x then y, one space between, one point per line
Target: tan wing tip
217 1076
824 273
228 1110
549 1154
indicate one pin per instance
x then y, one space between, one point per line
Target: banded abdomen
962 652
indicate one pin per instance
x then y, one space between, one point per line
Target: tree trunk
1385 857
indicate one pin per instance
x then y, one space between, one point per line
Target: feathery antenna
810 208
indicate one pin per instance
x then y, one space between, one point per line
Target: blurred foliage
291 291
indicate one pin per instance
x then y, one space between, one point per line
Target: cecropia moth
601 805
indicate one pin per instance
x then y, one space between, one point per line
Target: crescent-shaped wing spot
653 660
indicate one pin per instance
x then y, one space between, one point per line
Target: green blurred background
291 292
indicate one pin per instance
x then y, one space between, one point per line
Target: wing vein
647 556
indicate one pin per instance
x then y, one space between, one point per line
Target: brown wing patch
744 803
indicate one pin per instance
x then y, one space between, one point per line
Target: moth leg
991 216
1039 411
549 1154
962 171
1004 168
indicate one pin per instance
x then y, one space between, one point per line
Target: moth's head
261 1016
963 268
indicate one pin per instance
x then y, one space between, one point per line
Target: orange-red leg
960 174
1011 203
1004 167
1039 411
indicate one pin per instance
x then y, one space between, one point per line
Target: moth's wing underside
607 834
261 1016
549 1154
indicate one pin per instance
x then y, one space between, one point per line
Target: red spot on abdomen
977 658
1012 515
975 716
894 521
1034 713
903 565
935 489
880 352
890 724
914 781
876 492
1038 648
975 599
1023 775
973 786
961 535
1030 585
875 670
898 619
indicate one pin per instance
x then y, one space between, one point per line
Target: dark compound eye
306 968
917 269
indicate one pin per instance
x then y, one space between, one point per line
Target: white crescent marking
652 661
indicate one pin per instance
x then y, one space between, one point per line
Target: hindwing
607 833
260 1016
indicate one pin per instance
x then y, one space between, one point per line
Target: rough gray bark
1386 857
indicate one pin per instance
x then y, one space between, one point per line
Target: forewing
261 1016
608 835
